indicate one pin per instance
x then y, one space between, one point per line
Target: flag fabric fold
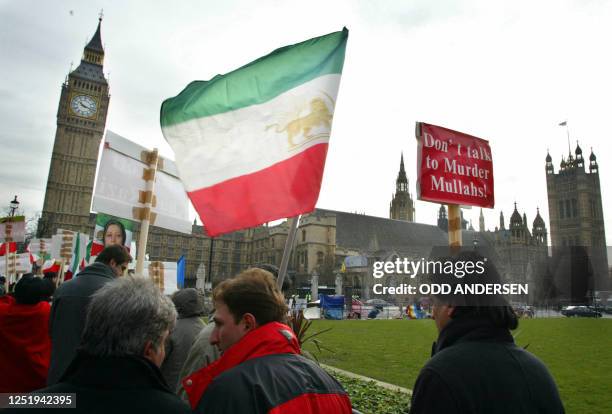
250 146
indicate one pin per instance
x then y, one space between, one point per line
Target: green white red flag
250 145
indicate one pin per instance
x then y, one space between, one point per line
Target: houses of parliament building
324 237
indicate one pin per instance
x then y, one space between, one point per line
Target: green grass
578 353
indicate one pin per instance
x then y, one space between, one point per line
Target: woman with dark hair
114 233
475 366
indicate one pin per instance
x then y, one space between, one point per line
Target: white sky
508 72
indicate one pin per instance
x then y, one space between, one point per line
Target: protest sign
453 167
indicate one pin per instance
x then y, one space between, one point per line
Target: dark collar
470 329
114 372
98 269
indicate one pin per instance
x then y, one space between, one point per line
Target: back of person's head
48 288
253 291
494 308
115 252
29 290
500 316
50 275
124 315
188 303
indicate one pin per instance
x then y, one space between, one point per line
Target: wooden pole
145 212
454 226
6 267
293 224
14 267
60 277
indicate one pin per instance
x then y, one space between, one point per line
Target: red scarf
269 339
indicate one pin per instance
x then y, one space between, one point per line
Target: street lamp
14 206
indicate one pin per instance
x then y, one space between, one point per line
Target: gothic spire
402 171
94 51
401 184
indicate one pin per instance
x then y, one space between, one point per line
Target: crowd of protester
120 345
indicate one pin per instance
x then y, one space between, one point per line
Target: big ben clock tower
81 118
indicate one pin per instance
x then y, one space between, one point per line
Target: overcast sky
508 72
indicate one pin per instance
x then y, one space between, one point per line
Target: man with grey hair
123 345
70 302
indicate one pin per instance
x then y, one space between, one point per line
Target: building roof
356 231
538 222
516 219
89 71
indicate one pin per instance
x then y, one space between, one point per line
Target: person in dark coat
25 346
70 302
260 369
190 308
116 369
475 366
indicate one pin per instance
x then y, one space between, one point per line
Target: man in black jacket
116 369
70 302
475 365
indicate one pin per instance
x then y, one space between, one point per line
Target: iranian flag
51 266
250 146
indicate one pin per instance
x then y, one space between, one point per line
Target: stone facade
577 225
521 254
81 119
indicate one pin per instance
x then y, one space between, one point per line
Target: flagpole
293 224
210 259
145 212
569 148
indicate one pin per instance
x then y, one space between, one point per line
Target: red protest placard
453 167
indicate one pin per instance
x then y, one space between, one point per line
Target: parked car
582 311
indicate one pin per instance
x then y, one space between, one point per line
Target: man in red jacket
25 347
260 369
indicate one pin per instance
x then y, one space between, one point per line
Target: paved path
386 385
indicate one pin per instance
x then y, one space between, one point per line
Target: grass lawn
577 351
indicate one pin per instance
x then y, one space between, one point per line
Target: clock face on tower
84 105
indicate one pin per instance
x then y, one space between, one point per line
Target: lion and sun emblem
313 125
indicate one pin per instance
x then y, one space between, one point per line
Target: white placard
120 179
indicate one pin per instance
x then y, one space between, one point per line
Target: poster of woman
110 230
